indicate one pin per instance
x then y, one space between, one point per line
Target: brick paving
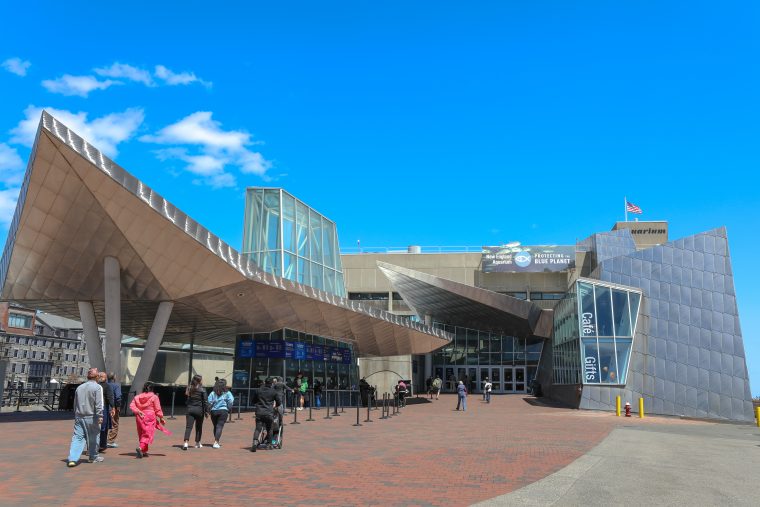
428 455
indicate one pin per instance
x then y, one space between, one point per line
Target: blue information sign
246 348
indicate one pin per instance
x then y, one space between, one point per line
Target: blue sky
430 123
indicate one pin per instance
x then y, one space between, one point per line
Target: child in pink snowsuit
148 416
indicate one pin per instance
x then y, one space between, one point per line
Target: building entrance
504 379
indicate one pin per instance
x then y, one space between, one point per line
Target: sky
411 123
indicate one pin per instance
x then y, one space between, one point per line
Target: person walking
197 409
108 410
113 433
88 416
437 383
304 391
318 393
401 393
487 390
462 396
148 416
265 401
220 402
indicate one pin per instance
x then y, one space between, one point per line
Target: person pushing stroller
266 402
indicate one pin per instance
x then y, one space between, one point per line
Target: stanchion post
358 406
641 408
341 402
240 403
310 405
617 406
295 418
374 398
368 420
327 404
336 395
174 394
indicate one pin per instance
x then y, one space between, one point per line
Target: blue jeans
86 432
488 396
463 401
318 398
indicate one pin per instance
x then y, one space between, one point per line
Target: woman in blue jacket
220 401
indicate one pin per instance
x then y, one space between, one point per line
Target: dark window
518 295
368 296
552 296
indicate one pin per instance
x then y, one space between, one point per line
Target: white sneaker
198 445
184 446
216 445
299 408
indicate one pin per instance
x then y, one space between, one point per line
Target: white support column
428 366
155 337
112 279
91 335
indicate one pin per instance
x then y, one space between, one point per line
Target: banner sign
531 259
248 348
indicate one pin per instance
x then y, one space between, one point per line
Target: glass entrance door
520 383
509 379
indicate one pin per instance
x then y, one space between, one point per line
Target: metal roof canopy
77 207
463 305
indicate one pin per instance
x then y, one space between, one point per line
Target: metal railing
45 398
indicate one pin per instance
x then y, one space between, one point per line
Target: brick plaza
428 455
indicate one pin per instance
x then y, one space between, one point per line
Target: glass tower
287 238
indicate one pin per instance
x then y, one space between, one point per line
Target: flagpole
625 207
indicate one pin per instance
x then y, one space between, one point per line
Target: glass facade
285 237
510 362
594 326
285 353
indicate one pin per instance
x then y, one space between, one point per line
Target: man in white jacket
487 390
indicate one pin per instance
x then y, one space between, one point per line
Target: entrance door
496 379
509 379
520 383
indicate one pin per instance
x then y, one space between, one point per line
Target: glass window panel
272 219
315 236
302 229
635 299
590 361
288 222
603 311
317 280
328 243
588 315
620 309
330 280
303 272
623 347
340 287
289 267
608 373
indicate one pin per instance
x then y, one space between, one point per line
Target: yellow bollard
617 406
757 415
641 408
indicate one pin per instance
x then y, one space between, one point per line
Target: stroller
277 430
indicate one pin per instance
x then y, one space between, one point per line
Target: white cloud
105 133
76 85
208 150
11 166
17 66
181 78
125 71
199 129
8 198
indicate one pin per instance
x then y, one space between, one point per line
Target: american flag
632 208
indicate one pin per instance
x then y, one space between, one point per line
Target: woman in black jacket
197 409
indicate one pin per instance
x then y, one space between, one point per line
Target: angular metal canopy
77 207
463 305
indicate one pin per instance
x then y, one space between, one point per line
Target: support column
190 365
155 337
428 366
91 335
113 314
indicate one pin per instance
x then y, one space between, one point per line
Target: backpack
437 383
